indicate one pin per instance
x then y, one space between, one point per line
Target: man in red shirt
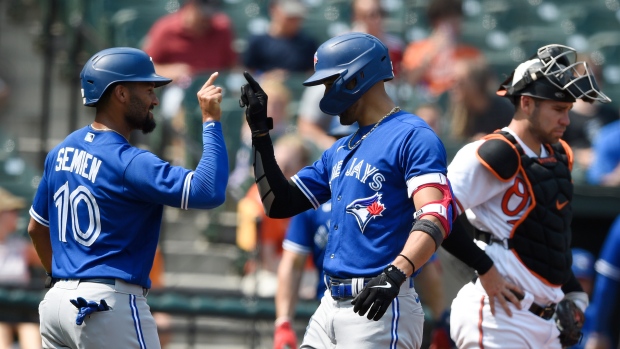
193 40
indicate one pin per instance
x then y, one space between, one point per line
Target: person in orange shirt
429 63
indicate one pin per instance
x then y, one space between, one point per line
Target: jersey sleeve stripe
38 218
306 192
295 247
415 182
186 187
607 269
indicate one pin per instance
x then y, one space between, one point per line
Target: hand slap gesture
210 98
254 99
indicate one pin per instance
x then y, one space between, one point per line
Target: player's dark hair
439 9
105 97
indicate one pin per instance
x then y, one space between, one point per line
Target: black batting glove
379 293
255 100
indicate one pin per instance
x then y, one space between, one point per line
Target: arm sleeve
155 180
572 285
281 197
460 244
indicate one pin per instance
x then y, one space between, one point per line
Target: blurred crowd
453 89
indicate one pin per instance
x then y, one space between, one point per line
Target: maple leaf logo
376 208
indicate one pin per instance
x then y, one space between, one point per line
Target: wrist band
408 260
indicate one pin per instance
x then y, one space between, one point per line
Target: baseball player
515 187
391 202
96 216
605 294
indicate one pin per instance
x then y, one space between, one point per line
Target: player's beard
542 135
136 118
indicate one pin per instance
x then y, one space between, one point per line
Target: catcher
515 188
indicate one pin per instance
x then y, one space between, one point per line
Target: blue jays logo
316 60
366 209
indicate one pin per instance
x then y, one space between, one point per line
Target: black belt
545 312
489 239
51 281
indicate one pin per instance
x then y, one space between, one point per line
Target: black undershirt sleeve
572 285
281 197
460 244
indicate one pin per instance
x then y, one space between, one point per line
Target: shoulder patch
500 157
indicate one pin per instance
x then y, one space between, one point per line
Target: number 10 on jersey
68 203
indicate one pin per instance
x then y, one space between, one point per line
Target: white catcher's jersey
495 206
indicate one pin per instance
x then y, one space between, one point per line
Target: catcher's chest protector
541 239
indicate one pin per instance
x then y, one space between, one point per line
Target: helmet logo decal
316 59
366 209
559 95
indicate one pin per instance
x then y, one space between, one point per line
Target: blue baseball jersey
103 198
371 189
599 315
307 233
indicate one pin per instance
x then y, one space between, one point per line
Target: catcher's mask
358 61
113 65
553 73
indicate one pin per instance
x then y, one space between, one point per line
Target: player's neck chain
105 128
394 110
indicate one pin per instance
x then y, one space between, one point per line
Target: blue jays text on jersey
370 187
102 200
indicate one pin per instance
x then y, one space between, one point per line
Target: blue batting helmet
358 60
116 65
583 264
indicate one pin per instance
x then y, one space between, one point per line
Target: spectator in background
367 17
598 324
312 123
605 167
429 63
4 92
285 46
475 109
17 256
261 235
431 114
195 39
278 109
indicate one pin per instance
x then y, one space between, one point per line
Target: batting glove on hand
379 293
255 100
284 336
86 308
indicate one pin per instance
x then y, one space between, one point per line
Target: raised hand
254 99
210 98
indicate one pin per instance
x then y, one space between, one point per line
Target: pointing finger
253 84
211 80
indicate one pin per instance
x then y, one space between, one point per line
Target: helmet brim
320 76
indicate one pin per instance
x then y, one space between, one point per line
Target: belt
51 281
489 239
345 288
545 312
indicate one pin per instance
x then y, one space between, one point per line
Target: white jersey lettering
80 161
